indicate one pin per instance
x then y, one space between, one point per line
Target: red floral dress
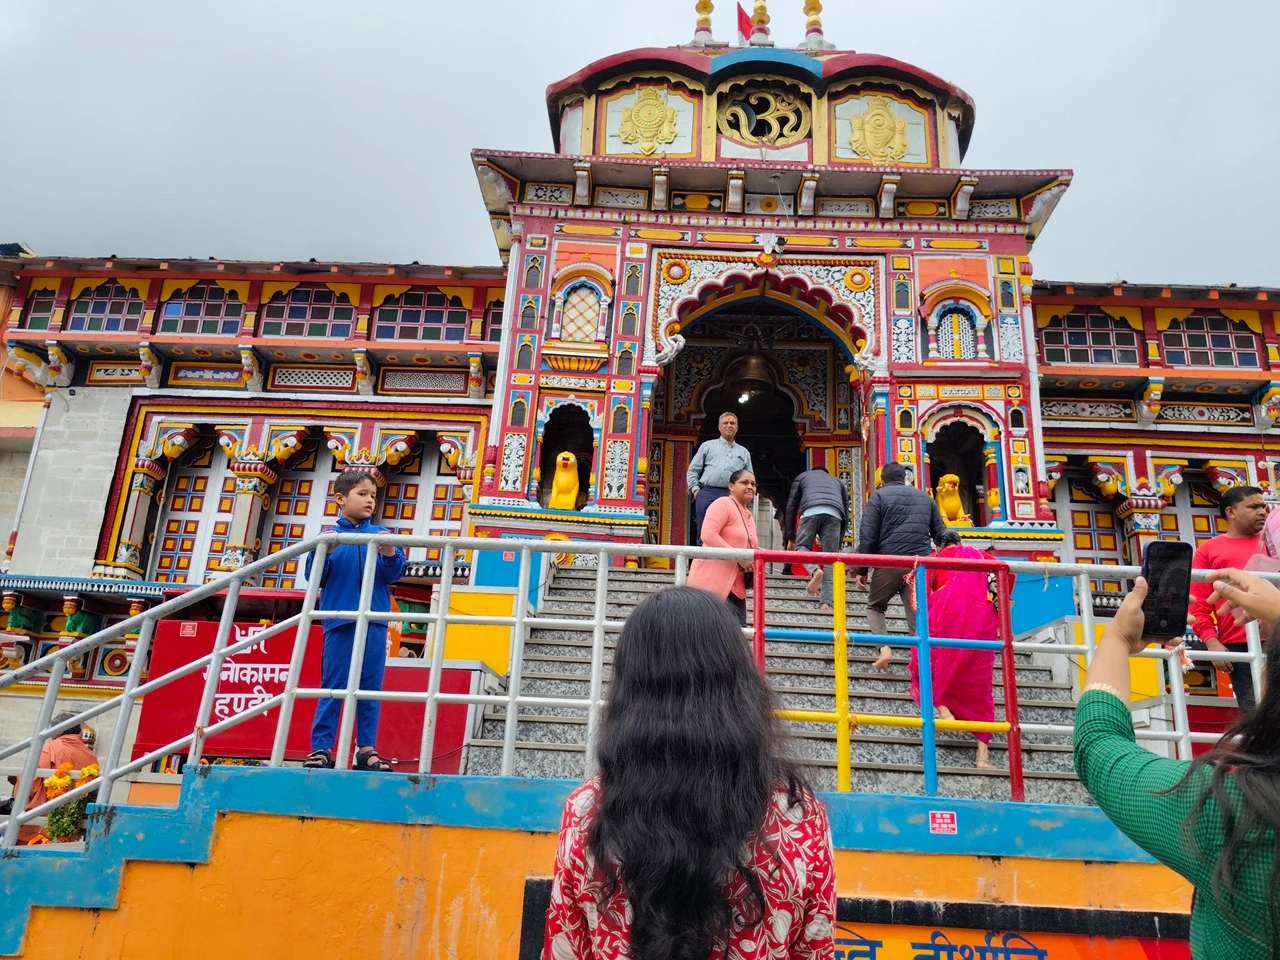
799 888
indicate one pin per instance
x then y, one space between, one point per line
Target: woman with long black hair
698 839
1216 819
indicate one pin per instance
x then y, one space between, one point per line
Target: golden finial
813 38
760 25
702 33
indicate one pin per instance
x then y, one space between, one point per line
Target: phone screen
1167 569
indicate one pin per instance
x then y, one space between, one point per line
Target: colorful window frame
422 316
491 332
1090 338
308 311
41 306
109 308
1209 341
205 309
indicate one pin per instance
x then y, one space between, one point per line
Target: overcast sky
289 129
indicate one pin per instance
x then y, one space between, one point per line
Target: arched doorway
785 377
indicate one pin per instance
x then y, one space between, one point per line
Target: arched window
626 363
902 295
957 333
39 312
204 309
519 413
1207 341
630 320
533 272
308 311
1089 338
421 315
621 419
524 356
1017 419
580 316
633 280
528 316
906 420
109 308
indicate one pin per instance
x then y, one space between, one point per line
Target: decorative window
524 356
492 332
632 286
110 309
1210 342
519 413
528 316
1007 300
421 315
1090 338
40 308
1017 419
957 334
1090 524
298 511
621 419
203 309
906 420
630 321
902 295
196 520
626 363
533 272
580 316
308 312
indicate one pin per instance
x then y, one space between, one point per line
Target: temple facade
789 234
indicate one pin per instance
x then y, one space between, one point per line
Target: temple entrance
784 376
767 428
958 449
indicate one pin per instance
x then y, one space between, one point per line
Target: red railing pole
757 610
1004 603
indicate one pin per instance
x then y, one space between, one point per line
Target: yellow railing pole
844 776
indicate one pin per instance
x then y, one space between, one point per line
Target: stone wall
13 467
74 467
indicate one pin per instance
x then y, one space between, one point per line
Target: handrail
523 619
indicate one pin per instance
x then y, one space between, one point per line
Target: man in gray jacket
820 504
899 521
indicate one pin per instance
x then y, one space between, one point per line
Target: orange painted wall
290 887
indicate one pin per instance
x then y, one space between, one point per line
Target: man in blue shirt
712 466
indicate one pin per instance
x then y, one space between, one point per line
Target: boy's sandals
369 760
319 760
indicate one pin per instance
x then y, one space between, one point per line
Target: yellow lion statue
950 503
564 485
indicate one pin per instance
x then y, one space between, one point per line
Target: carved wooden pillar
127 561
254 480
995 506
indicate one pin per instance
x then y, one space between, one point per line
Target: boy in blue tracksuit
356 495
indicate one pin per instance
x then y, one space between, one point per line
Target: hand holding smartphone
1166 566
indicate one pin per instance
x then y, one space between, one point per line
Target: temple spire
760 25
813 37
702 32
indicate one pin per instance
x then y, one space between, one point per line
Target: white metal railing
522 619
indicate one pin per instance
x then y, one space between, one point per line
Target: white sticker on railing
942 821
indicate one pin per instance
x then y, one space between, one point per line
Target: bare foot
885 658
824 607
814 584
944 713
984 759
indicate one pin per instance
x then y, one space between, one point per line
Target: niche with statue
566 455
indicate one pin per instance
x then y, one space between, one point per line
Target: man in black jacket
820 503
901 521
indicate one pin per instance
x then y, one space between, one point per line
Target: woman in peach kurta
728 525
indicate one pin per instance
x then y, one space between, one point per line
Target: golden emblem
878 135
770 115
648 121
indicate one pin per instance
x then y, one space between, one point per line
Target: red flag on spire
745 26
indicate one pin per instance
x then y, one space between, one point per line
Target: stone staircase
551 742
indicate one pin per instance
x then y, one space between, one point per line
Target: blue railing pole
928 732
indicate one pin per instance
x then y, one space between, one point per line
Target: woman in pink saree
960 607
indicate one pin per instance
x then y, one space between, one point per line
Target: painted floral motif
513 448
617 459
791 858
1010 340
904 340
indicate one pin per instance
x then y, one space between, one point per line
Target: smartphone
1166 565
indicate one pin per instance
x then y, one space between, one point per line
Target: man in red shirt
1246 514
